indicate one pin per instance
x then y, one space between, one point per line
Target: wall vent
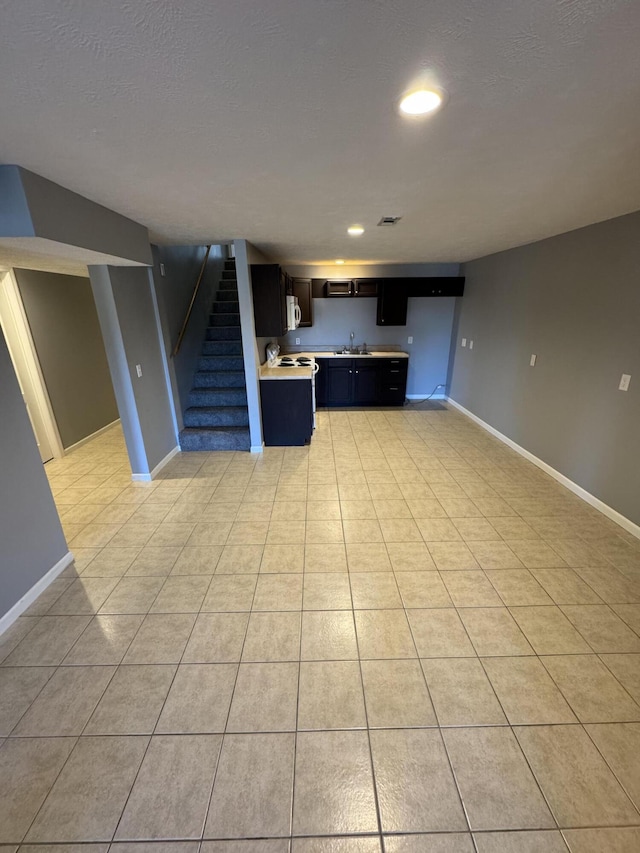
390 220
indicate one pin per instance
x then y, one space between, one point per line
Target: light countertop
267 372
372 354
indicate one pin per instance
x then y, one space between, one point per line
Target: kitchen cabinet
361 382
359 287
270 286
436 286
416 286
301 287
365 287
365 382
338 287
338 382
392 303
287 411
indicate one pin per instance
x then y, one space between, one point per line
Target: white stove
295 361
289 361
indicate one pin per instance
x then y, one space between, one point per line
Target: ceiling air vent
390 220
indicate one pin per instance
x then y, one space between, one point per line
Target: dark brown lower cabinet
287 411
361 382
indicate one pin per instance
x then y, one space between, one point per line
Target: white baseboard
586 496
147 478
426 396
256 448
92 436
30 596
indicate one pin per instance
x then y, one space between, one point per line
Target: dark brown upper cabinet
392 303
302 289
338 287
270 285
365 287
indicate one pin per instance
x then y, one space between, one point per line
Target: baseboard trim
601 506
147 478
256 448
92 436
426 396
30 596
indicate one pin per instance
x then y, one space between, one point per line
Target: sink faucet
352 349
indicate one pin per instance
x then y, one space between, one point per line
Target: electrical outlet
470 344
297 340
532 360
139 370
464 342
410 339
624 382
162 272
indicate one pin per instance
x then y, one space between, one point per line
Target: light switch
410 339
139 370
470 344
162 272
464 342
297 340
532 360
624 382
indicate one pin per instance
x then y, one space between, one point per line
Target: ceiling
276 121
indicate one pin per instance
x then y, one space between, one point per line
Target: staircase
217 417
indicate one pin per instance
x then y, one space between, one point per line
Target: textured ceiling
276 121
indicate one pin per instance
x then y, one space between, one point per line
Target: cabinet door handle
393 389
351 371
356 372
394 361
394 371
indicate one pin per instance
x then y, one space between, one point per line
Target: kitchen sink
351 354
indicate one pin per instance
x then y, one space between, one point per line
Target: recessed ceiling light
421 102
339 261
355 230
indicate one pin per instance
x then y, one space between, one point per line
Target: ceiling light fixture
339 261
355 230
421 102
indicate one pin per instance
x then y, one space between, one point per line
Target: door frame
18 318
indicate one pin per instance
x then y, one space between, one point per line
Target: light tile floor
404 637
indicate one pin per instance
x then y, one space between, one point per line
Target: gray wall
429 322
127 311
31 538
32 206
574 301
174 291
64 324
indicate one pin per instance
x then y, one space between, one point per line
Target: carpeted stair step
226 348
220 438
225 307
219 379
226 296
227 319
217 397
210 416
228 274
221 362
223 333
229 284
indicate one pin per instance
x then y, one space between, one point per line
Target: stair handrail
176 349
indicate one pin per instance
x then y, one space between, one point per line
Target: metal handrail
176 349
